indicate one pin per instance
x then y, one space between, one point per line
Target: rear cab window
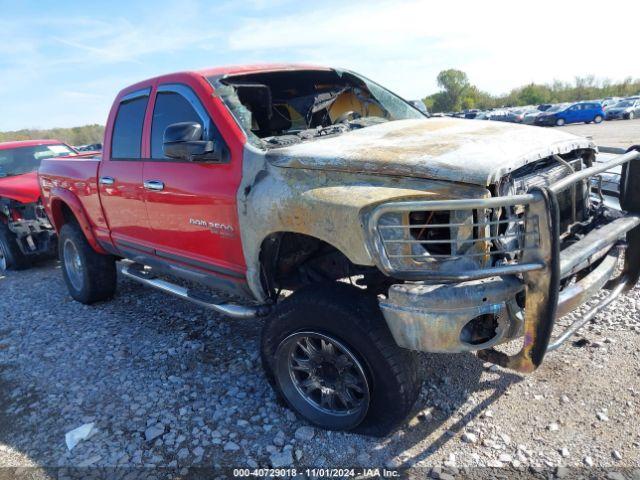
126 139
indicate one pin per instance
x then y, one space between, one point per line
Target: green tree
533 94
458 93
455 84
73 136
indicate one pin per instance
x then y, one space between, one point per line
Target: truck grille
452 239
544 174
473 238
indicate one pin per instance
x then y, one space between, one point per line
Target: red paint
72 201
24 188
167 223
21 188
28 143
193 191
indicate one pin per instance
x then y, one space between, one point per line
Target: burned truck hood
22 188
469 151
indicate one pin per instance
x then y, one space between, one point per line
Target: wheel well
62 214
292 260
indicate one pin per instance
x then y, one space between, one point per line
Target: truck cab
361 231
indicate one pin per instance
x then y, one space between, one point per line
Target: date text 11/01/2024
317 472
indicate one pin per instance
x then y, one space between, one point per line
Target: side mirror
183 141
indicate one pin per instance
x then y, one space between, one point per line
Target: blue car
559 115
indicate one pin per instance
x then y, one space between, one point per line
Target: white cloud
501 44
66 68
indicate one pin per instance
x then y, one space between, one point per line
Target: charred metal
290 261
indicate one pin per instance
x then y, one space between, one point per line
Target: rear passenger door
120 176
191 205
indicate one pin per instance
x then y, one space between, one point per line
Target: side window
170 107
127 128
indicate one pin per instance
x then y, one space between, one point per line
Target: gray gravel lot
168 384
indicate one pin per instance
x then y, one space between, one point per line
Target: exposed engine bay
287 107
29 223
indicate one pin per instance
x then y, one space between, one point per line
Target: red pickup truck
25 231
361 230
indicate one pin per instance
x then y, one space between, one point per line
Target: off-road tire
560 122
98 277
14 259
352 317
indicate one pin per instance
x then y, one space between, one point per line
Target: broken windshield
278 108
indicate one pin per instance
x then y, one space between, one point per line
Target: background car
610 102
586 112
531 115
93 147
626 109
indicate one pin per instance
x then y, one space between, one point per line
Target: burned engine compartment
281 108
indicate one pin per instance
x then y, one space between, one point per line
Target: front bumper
433 315
545 121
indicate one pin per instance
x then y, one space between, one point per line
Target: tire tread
101 276
362 309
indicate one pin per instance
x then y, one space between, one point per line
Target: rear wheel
330 356
89 275
598 119
11 257
560 122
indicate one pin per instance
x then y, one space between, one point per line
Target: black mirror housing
183 141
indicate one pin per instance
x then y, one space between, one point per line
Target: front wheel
331 357
11 257
631 116
89 275
597 119
560 122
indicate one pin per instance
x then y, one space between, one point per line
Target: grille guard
543 265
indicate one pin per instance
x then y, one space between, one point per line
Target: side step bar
229 309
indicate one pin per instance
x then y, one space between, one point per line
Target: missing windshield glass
278 108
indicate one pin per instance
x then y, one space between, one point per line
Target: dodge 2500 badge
364 232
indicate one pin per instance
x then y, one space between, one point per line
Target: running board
229 309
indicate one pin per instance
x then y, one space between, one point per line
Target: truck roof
226 70
255 68
27 143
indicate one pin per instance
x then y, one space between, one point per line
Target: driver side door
191 205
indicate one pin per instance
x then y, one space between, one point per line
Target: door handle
107 180
155 185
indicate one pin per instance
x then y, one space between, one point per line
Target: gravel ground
167 384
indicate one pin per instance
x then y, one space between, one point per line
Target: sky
62 62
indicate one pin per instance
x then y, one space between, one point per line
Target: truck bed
79 175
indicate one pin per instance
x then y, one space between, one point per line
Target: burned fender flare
59 198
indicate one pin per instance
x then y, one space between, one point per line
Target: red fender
59 197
